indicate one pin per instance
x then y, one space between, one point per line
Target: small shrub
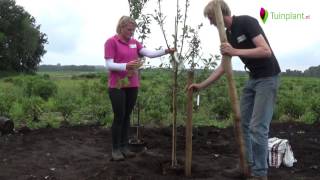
315 107
33 107
37 86
294 107
309 118
17 114
6 100
65 104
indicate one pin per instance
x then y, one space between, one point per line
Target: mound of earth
83 152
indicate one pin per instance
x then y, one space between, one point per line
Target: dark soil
83 152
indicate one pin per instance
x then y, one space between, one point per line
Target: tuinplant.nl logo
264 15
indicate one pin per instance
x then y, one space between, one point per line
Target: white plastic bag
288 158
280 152
276 151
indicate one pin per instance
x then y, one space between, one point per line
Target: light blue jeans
256 106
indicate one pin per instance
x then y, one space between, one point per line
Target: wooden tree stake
188 161
226 62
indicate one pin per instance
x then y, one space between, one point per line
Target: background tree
313 71
143 20
21 42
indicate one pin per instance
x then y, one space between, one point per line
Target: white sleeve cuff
112 66
152 53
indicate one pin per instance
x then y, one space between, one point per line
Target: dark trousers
123 101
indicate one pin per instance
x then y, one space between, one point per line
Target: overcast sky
78 29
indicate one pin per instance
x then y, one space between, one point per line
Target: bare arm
261 50
215 75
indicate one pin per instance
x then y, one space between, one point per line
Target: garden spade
136 142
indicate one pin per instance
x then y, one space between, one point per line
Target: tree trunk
174 114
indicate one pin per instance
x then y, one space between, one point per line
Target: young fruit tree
186 41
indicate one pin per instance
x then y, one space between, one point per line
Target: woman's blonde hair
124 21
209 9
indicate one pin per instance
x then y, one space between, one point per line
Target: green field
50 99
